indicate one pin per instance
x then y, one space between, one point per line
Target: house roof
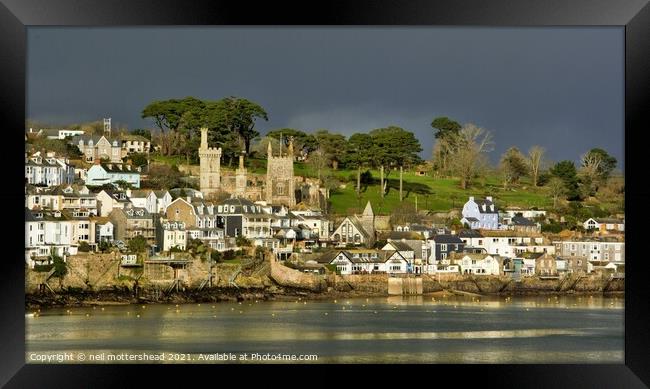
609 221
487 203
119 168
446 238
522 221
471 219
529 255
133 137
400 246
136 213
470 234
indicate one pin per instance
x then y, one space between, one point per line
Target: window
443 247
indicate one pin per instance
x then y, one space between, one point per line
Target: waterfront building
131 222
47 232
478 264
356 229
355 261
603 250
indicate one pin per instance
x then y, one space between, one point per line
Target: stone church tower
210 171
280 183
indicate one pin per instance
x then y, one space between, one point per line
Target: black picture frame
634 16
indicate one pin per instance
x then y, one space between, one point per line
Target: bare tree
590 170
467 158
535 156
556 189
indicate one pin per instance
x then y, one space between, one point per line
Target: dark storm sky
561 88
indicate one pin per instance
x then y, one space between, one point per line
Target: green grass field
433 194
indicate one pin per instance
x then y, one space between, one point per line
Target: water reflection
449 329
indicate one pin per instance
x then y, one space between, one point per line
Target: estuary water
421 329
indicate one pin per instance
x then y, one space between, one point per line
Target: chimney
488 198
97 161
471 198
189 199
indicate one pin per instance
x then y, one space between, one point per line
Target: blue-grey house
481 214
110 173
440 246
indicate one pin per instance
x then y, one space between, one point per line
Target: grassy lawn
433 194
170 160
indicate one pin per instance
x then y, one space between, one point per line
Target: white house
154 201
527 213
479 264
174 235
367 261
481 214
48 170
110 173
506 243
47 232
317 223
108 200
604 225
101 230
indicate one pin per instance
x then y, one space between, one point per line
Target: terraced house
48 170
47 232
131 222
69 197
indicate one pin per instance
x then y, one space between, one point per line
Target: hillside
438 195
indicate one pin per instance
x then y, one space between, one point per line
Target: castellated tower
280 184
210 171
240 177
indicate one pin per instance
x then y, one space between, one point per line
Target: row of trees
461 151
231 121
386 149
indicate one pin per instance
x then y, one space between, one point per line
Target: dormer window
245 208
232 209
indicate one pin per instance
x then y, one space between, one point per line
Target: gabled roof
399 245
470 234
359 226
487 204
119 168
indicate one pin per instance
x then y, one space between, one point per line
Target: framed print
395 183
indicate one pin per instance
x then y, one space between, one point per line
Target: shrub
84 247
216 256
242 241
228 255
60 267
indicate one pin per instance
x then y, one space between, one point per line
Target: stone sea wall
99 277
